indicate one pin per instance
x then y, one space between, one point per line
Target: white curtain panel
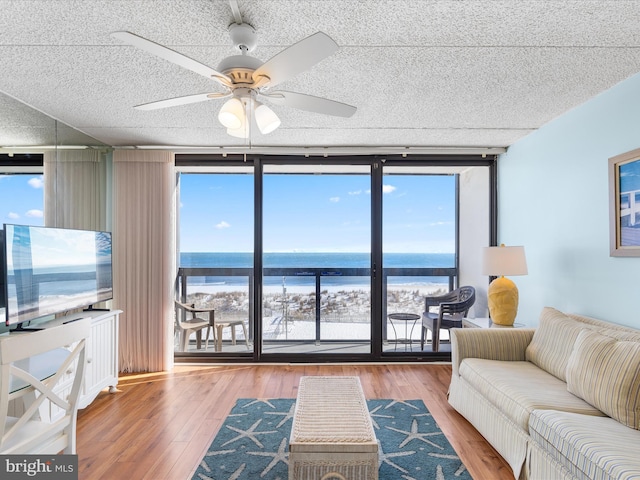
144 196
75 189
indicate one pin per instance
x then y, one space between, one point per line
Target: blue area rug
253 443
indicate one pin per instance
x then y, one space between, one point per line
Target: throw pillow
552 342
605 372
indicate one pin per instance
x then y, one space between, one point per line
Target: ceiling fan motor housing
243 36
239 68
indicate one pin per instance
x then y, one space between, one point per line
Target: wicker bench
332 436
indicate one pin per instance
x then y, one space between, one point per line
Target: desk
486 323
406 318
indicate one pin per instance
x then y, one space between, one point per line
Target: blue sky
54 247
316 213
21 199
303 213
630 176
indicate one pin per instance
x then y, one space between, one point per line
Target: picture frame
624 204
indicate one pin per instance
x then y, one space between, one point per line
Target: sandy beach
290 313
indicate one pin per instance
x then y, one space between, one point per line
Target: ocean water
328 262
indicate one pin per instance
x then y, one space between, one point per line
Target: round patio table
406 318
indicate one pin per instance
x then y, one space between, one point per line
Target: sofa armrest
507 344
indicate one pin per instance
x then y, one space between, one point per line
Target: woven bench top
332 410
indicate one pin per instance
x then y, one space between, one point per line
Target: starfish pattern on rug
253 443
287 415
375 415
386 457
250 433
259 400
282 455
395 402
414 434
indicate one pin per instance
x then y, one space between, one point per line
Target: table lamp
503 293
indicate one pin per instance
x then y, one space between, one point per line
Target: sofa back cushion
609 329
605 372
552 342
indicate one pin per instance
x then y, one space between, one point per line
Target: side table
484 322
406 318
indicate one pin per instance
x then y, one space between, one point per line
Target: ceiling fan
245 78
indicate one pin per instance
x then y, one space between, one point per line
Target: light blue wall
553 198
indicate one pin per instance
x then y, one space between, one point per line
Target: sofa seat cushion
518 388
594 448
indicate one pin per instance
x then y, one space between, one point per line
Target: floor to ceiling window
316 259
307 259
216 249
419 225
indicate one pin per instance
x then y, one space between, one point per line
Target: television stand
102 352
91 309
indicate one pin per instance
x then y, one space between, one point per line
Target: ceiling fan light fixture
242 132
232 114
266 118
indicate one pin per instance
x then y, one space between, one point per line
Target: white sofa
558 402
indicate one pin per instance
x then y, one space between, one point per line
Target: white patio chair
196 323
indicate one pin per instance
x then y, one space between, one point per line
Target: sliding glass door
215 261
419 224
325 259
316 275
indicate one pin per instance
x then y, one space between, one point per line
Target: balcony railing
319 279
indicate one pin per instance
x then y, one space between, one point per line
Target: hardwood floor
159 426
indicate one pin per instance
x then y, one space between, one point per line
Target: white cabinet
101 370
102 355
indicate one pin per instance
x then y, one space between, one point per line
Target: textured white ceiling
446 73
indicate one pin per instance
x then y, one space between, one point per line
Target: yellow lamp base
503 301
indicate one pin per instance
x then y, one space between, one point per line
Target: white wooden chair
35 367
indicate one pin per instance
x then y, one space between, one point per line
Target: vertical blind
144 198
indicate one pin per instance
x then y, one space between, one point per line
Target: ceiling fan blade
296 58
171 56
173 102
311 103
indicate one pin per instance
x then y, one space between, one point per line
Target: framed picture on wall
624 204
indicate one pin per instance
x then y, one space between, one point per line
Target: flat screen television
3 300
53 270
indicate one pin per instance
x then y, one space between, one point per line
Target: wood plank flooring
158 426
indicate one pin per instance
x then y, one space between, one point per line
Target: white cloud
13 215
34 213
334 199
356 192
388 188
36 182
223 224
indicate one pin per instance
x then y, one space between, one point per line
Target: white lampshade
500 261
242 132
232 114
266 118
